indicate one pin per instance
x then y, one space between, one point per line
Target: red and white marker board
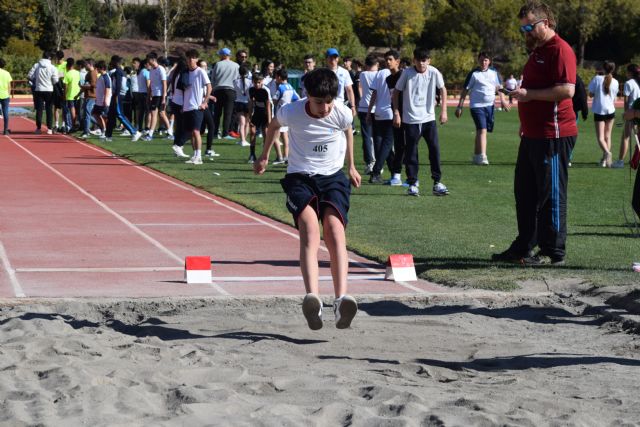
400 268
197 269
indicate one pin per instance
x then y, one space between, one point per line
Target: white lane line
291 278
168 224
125 221
15 284
95 269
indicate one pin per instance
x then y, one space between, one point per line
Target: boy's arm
268 112
107 97
273 132
205 102
443 100
352 100
463 95
372 103
397 114
354 175
164 92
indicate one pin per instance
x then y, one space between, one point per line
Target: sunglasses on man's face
529 27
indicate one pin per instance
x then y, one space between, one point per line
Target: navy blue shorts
319 192
483 117
192 120
99 110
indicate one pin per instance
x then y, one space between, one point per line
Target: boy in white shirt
196 95
481 84
368 133
417 86
320 136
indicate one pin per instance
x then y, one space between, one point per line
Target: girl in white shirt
242 85
604 90
631 92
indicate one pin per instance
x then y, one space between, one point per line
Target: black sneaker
510 256
376 179
7 132
541 260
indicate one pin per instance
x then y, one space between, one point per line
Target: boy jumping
320 135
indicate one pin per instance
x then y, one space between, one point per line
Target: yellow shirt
71 84
5 83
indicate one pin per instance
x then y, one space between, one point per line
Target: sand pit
254 362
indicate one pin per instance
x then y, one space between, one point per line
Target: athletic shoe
480 160
375 179
136 137
102 136
125 133
147 138
108 139
259 135
84 136
49 132
278 161
312 310
252 159
345 309
229 137
170 137
413 191
37 131
406 183
178 151
234 134
439 189
618 164
368 170
394 182
244 144
96 132
211 153
541 260
510 257
219 136
194 161
7 132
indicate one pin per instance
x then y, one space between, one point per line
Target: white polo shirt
419 94
316 146
344 80
383 96
194 93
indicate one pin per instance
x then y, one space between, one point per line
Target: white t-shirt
316 146
366 82
603 104
631 91
482 87
344 80
157 76
194 93
103 83
383 95
178 94
511 84
419 94
242 94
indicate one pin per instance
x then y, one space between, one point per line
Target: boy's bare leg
196 140
334 238
278 150
165 121
285 141
153 120
309 244
481 141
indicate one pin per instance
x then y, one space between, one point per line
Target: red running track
76 221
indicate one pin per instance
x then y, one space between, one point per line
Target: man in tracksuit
115 107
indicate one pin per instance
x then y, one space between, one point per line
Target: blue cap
224 51
332 51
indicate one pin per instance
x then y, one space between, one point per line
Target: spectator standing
89 89
548 132
42 77
364 87
309 64
344 79
5 93
224 72
631 92
604 89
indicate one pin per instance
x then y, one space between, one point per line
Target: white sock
196 153
396 176
150 133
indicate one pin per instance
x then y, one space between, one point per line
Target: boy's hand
397 120
260 165
354 177
443 116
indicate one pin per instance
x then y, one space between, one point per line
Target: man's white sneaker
244 144
345 309
125 133
278 161
177 150
49 132
136 137
413 190
195 161
84 136
312 310
96 132
439 189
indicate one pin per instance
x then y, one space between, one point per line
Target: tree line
286 30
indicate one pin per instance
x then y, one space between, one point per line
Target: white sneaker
244 143
136 137
195 161
278 162
177 150
345 309
439 189
413 191
125 133
49 132
368 170
102 136
211 153
484 161
618 164
312 310
96 132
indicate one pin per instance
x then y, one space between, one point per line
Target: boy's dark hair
2 63
484 54
116 60
127 70
392 52
80 63
257 77
308 56
59 55
282 73
46 55
70 62
421 54
192 53
164 61
347 58
135 59
101 65
200 62
152 55
89 61
371 60
539 10
321 83
405 62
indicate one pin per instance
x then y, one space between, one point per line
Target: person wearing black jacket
115 109
580 105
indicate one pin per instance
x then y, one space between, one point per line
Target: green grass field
451 238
